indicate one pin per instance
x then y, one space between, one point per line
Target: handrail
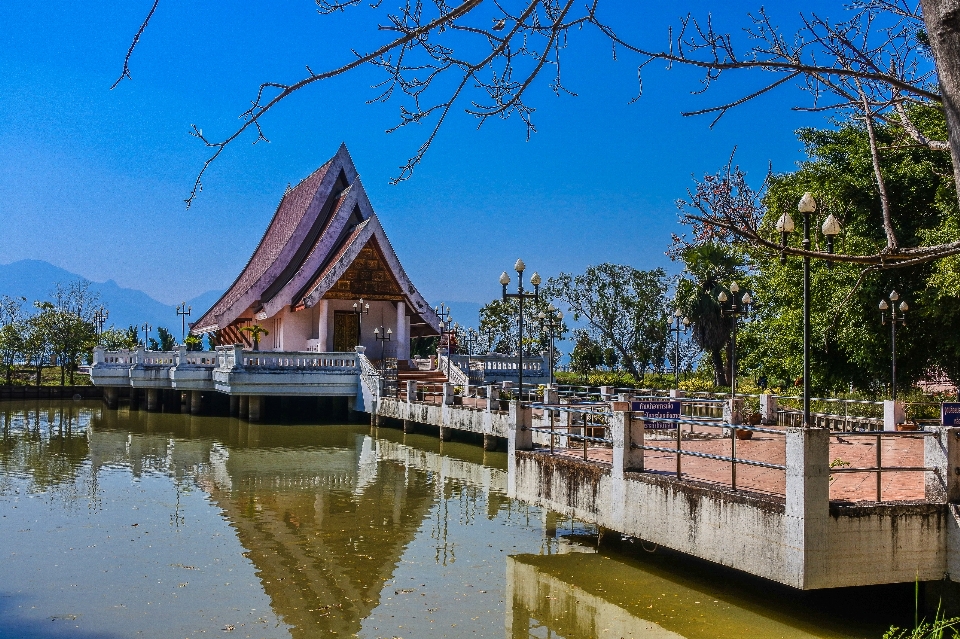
879 469
367 368
457 376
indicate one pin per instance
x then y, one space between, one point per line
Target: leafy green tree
11 347
424 346
587 354
116 339
167 341
499 326
708 269
610 359
193 343
625 309
849 346
11 333
69 321
38 339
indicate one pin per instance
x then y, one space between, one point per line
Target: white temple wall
381 314
312 328
296 328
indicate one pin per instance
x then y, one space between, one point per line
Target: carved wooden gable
367 277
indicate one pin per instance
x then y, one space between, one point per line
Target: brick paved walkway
857 451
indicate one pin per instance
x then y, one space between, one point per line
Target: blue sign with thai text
950 414
669 409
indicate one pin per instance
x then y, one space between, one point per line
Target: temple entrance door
346 331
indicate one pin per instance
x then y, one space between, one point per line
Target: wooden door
346 331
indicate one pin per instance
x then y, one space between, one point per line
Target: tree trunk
73 367
719 370
942 18
63 374
39 373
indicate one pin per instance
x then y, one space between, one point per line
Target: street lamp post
360 309
491 334
443 312
676 325
471 340
551 322
183 311
831 228
100 318
146 335
734 310
520 295
894 320
385 337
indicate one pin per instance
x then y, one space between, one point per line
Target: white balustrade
299 359
200 358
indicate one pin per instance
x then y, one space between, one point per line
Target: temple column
244 407
403 333
153 399
322 333
255 408
196 404
110 394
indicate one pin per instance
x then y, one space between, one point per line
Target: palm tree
255 332
709 269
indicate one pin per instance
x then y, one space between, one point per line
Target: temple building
323 251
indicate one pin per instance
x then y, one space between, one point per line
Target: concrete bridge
246 377
811 508
806 507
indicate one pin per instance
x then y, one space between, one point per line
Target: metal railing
592 417
879 468
578 432
732 459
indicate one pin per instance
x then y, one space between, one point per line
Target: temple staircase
429 381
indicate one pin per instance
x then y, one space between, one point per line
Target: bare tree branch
892 245
125 73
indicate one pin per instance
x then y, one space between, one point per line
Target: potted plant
908 423
504 400
749 415
255 332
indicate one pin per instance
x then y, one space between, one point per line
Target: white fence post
893 413
447 393
942 452
626 431
768 408
493 397
807 513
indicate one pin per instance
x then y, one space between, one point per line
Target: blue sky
93 180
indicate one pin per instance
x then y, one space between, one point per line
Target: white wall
296 328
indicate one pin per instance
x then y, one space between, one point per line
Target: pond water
133 524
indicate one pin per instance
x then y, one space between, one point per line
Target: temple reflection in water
360 533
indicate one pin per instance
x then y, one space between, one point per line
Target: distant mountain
36 280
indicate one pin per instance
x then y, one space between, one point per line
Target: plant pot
458 400
744 434
504 404
908 426
754 419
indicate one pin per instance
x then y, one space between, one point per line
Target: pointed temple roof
324 242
